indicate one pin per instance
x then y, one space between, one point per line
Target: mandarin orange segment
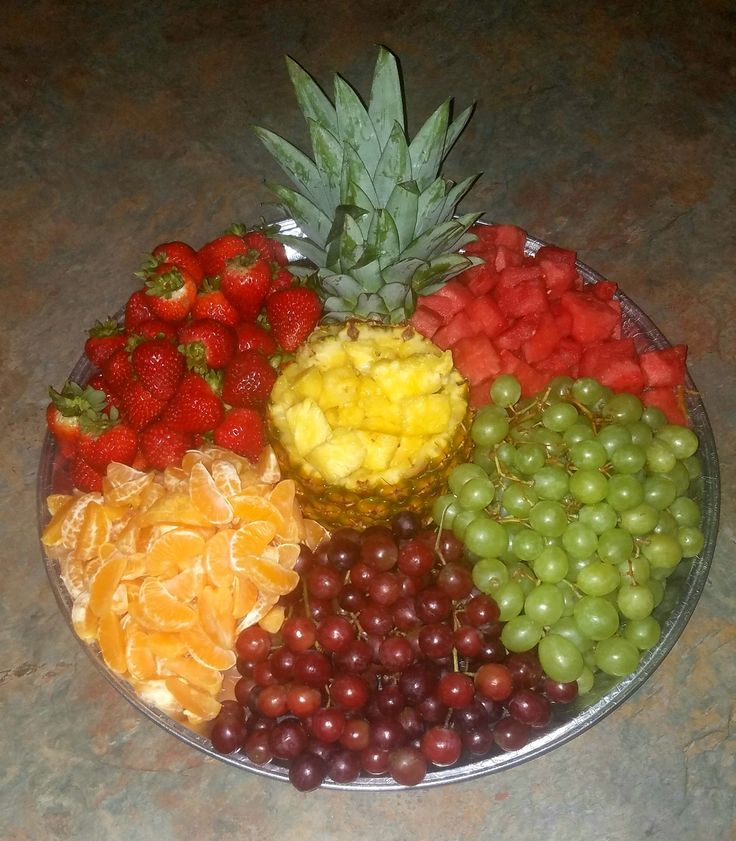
176 508
83 620
52 533
287 554
112 643
140 659
217 559
245 594
207 497
156 693
104 583
174 551
203 677
161 610
95 529
263 603
249 507
273 620
72 522
267 466
215 608
250 539
192 457
55 502
314 533
226 478
165 645
185 585
124 484
269 576
73 575
205 651
197 704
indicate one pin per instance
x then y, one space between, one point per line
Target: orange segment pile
166 568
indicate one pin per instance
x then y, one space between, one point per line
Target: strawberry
215 305
207 344
270 249
99 383
104 339
171 292
161 445
65 411
104 442
178 254
139 406
137 310
293 314
280 279
118 371
195 407
251 336
159 366
85 477
154 328
213 255
248 379
245 280
242 431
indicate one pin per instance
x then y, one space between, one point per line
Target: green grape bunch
577 507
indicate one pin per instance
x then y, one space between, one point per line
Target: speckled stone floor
606 127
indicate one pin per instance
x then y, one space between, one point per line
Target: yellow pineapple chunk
308 424
363 354
339 457
309 384
418 374
339 387
379 450
383 415
427 414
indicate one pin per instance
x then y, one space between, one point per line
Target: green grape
552 442
682 441
585 681
596 617
640 520
463 519
489 574
660 458
615 545
598 579
680 477
635 601
485 537
505 453
629 458
623 408
530 458
588 486
579 541
490 427
551 565
653 417
575 565
588 455
659 491
508 553
567 627
464 473
616 656
484 460
476 493
686 511
518 499
580 431
560 659
587 391
559 387
635 570
693 467
505 390
559 416
445 509
691 540
569 597
510 599
613 436
657 587
643 633
641 434
520 572
663 551
551 482
521 633
545 604
548 518
624 492
599 516
666 524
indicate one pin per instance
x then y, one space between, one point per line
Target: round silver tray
683 591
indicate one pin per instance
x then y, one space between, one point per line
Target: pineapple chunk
339 457
382 415
415 375
308 425
427 414
339 387
363 354
329 354
350 415
379 450
309 384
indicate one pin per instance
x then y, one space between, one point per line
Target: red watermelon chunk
563 317
599 354
559 277
529 297
425 321
555 254
531 380
520 331
514 275
459 327
506 257
486 317
509 236
664 367
621 375
604 290
592 320
545 339
449 300
480 394
478 279
476 358
563 361
670 399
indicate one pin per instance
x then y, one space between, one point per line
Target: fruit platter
379 494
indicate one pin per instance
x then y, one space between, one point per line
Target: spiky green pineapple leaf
370 305
350 243
342 286
305 246
402 271
315 224
427 146
356 184
386 103
393 295
313 102
300 168
455 129
354 126
327 151
402 204
456 193
445 266
430 206
394 167
368 273
440 238
383 237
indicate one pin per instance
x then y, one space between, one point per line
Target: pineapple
370 417
390 446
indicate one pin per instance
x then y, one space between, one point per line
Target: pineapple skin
368 503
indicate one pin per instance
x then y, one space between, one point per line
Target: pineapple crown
378 218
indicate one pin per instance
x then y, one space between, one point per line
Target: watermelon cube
598 355
476 358
621 375
448 300
670 399
555 254
480 393
604 290
513 275
459 327
486 317
479 279
531 380
529 297
559 277
592 320
425 321
506 257
510 236
563 361
664 367
519 332
545 339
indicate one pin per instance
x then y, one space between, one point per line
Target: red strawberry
161 445
178 254
293 314
171 292
251 336
245 280
138 406
211 303
118 371
242 431
102 443
195 407
66 410
281 279
137 310
154 328
159 366
270 249
213 255
85 477
99 383
207 344
248 379
104 339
